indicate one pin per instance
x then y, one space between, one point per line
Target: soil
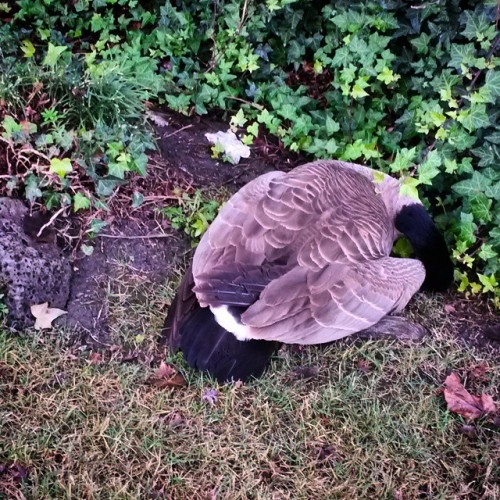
94 277
182 143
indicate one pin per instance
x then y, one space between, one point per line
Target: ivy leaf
494 191
31 189
404 158
461 54
238 120
474 186
342 57
378 177
60 167
474 118
388 76
28 48
11 127
494 138
358 89
287 111
53 54
481 208
80 202
421 43
105 187
253 129
492 83
429 168
88 250
139 164
489 282
96 226
487 252
409 188
137 199
402 248
331 125
118 169
353 151
475 26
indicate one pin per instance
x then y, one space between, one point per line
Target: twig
176 131
125 237
425 5
250 103
243 15
22 152
51 220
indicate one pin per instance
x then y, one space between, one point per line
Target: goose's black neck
428 244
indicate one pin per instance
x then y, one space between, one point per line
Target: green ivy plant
193 214
411 90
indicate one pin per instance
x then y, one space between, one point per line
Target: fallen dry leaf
15 470
95 358
460 401
210 396
166 376
45 315
305 372
449 309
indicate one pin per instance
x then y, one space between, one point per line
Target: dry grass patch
368 419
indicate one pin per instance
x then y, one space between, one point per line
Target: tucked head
429 246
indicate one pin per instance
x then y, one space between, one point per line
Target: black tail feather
208 347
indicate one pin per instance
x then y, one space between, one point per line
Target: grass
372 423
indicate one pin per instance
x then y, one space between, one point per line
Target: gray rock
32 270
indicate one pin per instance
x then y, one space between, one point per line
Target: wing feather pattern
340 299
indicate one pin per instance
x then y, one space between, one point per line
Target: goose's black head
429 246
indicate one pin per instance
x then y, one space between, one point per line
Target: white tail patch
225 319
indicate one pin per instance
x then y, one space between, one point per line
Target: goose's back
319 213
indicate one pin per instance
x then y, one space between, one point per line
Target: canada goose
301 258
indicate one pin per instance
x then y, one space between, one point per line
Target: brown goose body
304 257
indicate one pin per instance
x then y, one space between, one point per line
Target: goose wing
305 306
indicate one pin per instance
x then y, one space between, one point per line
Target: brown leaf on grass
449 308
45 315
130 356
166 376
15 470
95 358
460 401
468 430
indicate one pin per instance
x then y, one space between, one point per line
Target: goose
302 257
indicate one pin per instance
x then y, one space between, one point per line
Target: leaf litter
45 315
166 376
463 403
